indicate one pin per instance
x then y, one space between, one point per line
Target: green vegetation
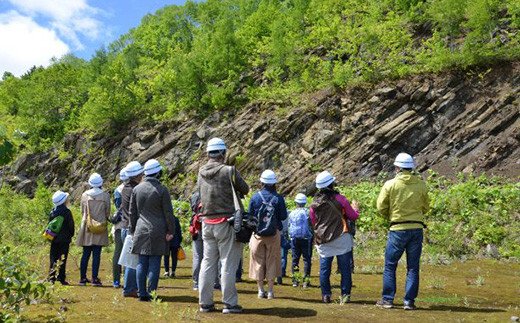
214 55
466 214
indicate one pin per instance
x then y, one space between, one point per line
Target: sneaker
166 274
217 286
64 283
96 282
84 282
409 306
195 286
262 294
232 309
207 308
344 299
172 275
326 299
146 298
239 280
116 284
306 284
278 280
270 295
384 304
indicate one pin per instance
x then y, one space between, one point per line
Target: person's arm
349 211
312 216
117 198
253 205
426 201
239 183
70 222
383 202
133 213
282 209
125 204
168 212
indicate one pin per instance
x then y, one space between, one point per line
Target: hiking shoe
96 282
344 299
409 306
232 309
295 283
195 286
306 284
262 294
326 299
131 294
84 282
116 284
172 275
146 298
382 303
207 308
64 283
270 295
166 274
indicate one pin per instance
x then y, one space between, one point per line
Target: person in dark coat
173 249
152 226
60 245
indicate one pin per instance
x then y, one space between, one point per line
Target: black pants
58 258
173 254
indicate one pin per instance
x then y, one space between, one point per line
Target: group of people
145 213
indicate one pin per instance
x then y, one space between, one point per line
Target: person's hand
355 205
169 237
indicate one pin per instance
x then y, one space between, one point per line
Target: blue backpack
299 224
266 219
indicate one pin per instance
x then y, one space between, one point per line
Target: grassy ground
483 290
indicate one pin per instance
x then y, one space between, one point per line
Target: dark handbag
117 217
243 224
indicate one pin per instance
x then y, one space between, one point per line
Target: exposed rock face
450 123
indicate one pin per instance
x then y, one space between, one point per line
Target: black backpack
266 218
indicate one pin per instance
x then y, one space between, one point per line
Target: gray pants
219 244
198 253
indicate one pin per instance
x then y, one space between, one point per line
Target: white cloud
25 43
70 18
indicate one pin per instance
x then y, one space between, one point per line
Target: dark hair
328 191
270 187
156 175
217 153
406 169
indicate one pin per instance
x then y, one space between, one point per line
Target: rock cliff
453 122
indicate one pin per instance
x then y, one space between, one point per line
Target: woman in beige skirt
265 254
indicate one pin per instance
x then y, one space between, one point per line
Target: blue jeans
130 285
398 242
346 275
301 247
96 260
148 267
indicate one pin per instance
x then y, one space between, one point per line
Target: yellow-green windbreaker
404 198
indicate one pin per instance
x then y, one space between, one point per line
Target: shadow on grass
306 300
282 312
180 299
462 309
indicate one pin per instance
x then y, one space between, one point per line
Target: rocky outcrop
458 121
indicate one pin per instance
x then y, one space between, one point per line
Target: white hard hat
152 167
215 144
300 198
95 180
268 177
134 168
122 175
403 160
59 197
324 179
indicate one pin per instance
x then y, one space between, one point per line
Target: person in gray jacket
214 184
151 226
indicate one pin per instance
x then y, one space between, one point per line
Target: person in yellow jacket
404 201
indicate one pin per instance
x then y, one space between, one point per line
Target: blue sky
34 31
